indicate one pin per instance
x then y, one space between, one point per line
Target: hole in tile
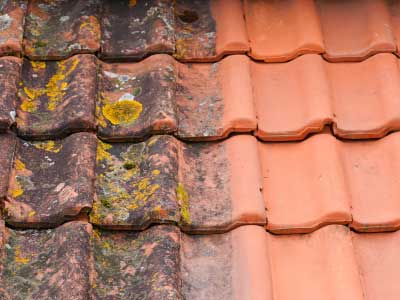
188 16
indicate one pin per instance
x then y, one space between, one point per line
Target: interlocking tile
45 264
354 30
282 30
136 183
137 99
205 187
51 181
299 97
208 101
142 265
208 30
58 29
234 265
320 265
7 146
12 14
57 98
135 29
10 68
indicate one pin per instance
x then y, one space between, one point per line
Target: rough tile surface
51 181
58 29
7 146
57 98
12 15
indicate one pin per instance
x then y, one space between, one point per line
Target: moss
122 112
183 199
106 202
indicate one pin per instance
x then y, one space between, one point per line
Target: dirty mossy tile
57 98
60 28
12 14
46 264
7 148
195 33
51 181
136 100
135 29
10 68
135 183
137 265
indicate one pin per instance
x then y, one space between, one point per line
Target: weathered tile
142 265
46 264
282 30
7 146
320 265
136 183
220 185
135 29
12 15
208 30
58 29
51 181
137 99
304 184
10 68
214 100
233 265
57 98
354 30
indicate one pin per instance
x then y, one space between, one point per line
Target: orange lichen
122 112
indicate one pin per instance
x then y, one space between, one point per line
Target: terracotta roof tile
9 77
7 146
51 181
12 15
164 180
57 98
58 29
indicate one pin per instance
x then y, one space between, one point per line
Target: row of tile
199 30
163 263
205 186
131 101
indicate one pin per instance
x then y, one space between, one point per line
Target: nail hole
188 16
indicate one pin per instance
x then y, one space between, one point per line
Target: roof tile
282 30
7 146
47 264
51 181
58 29
57 98
10 68
11 26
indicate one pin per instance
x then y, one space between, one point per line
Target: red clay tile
220 185
292 99
142 265
320 265
57 98
354 30
11 26
208 30
373 179
10 68
304 187
379 265
61 28
51 181
366 96
233 265
282 30
136 184
7 146
137 99
46 264
135 29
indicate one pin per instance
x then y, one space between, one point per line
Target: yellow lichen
144 190
156 172
32 213
17 191
183 199
38 65
19 258
49 146
100 118
122 112
102 153
19 165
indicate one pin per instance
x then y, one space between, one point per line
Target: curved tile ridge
294 99
331 181
163 180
